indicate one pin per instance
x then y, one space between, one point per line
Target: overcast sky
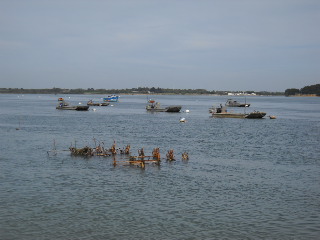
255 45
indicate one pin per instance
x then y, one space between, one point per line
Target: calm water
246 179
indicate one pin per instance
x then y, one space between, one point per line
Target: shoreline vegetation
135 91
307 91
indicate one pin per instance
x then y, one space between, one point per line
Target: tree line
139 90
307 90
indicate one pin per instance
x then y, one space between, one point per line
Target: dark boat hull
233 103
167 109
98 104
256 115
238 105
253 115
77 108
66 106
173 109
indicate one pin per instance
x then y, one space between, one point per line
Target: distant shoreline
138 91
304 95
146 94
186 94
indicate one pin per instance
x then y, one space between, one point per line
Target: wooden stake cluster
141 160
86 151
185 156
99 151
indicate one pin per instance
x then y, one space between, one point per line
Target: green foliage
139 90
313 89
291 91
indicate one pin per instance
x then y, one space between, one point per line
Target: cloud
179 40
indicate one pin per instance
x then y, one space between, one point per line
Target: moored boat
63 105
234 103
222 112
156 107
111 98
91 103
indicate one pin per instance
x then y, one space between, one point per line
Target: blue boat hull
111 99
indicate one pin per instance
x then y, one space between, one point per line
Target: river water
245 179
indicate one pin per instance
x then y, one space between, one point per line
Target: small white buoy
80 103
111 105
183 120
94 109
187 111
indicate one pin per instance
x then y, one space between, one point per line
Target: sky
235 45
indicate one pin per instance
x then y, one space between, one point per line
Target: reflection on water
246 179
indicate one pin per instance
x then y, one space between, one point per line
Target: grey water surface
245 179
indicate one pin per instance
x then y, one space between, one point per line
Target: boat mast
245 104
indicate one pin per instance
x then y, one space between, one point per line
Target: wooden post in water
113 149
170 155
141 152
114 161
142 164
156 155
127 150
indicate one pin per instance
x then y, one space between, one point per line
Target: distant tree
139 90
158 90
76 91
152 89
312 89
291 91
